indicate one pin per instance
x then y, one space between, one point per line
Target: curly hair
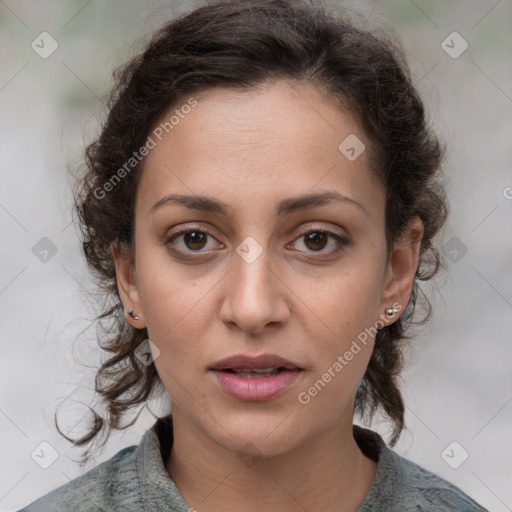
242 44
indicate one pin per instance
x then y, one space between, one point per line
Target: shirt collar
155 485
157 488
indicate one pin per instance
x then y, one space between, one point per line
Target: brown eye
195 239
316 240
190 241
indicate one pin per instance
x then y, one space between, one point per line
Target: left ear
401 270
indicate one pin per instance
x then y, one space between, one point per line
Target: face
253 270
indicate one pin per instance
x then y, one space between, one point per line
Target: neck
326 473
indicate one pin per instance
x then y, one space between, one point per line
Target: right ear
127 283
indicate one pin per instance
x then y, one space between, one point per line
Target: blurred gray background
458 384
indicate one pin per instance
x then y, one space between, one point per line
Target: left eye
316 240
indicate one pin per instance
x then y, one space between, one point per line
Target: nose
255 295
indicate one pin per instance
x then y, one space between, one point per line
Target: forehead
279 140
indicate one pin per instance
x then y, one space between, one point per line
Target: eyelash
341 241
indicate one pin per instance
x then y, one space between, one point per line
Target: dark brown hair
244 44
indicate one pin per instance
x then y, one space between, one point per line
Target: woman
260 206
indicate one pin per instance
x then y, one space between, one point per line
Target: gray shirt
135 480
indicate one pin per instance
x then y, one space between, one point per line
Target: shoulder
401 484
109 485
426 491
134 479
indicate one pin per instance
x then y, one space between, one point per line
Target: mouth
251 374
263 363
255 378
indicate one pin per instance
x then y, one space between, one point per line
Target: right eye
192 241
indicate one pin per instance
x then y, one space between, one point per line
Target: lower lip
257 388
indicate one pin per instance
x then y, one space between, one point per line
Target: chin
263 433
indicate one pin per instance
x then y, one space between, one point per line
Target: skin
298 300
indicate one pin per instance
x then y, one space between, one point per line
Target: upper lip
244 362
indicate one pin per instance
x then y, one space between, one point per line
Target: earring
132 315
391 311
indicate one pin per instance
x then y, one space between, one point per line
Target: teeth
259 370
249 374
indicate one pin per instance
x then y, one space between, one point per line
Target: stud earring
391 311
132 315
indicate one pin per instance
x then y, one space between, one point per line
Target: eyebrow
284 207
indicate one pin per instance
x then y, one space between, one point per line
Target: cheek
342 315
174 302
344 302
176 316
348 310
331 392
